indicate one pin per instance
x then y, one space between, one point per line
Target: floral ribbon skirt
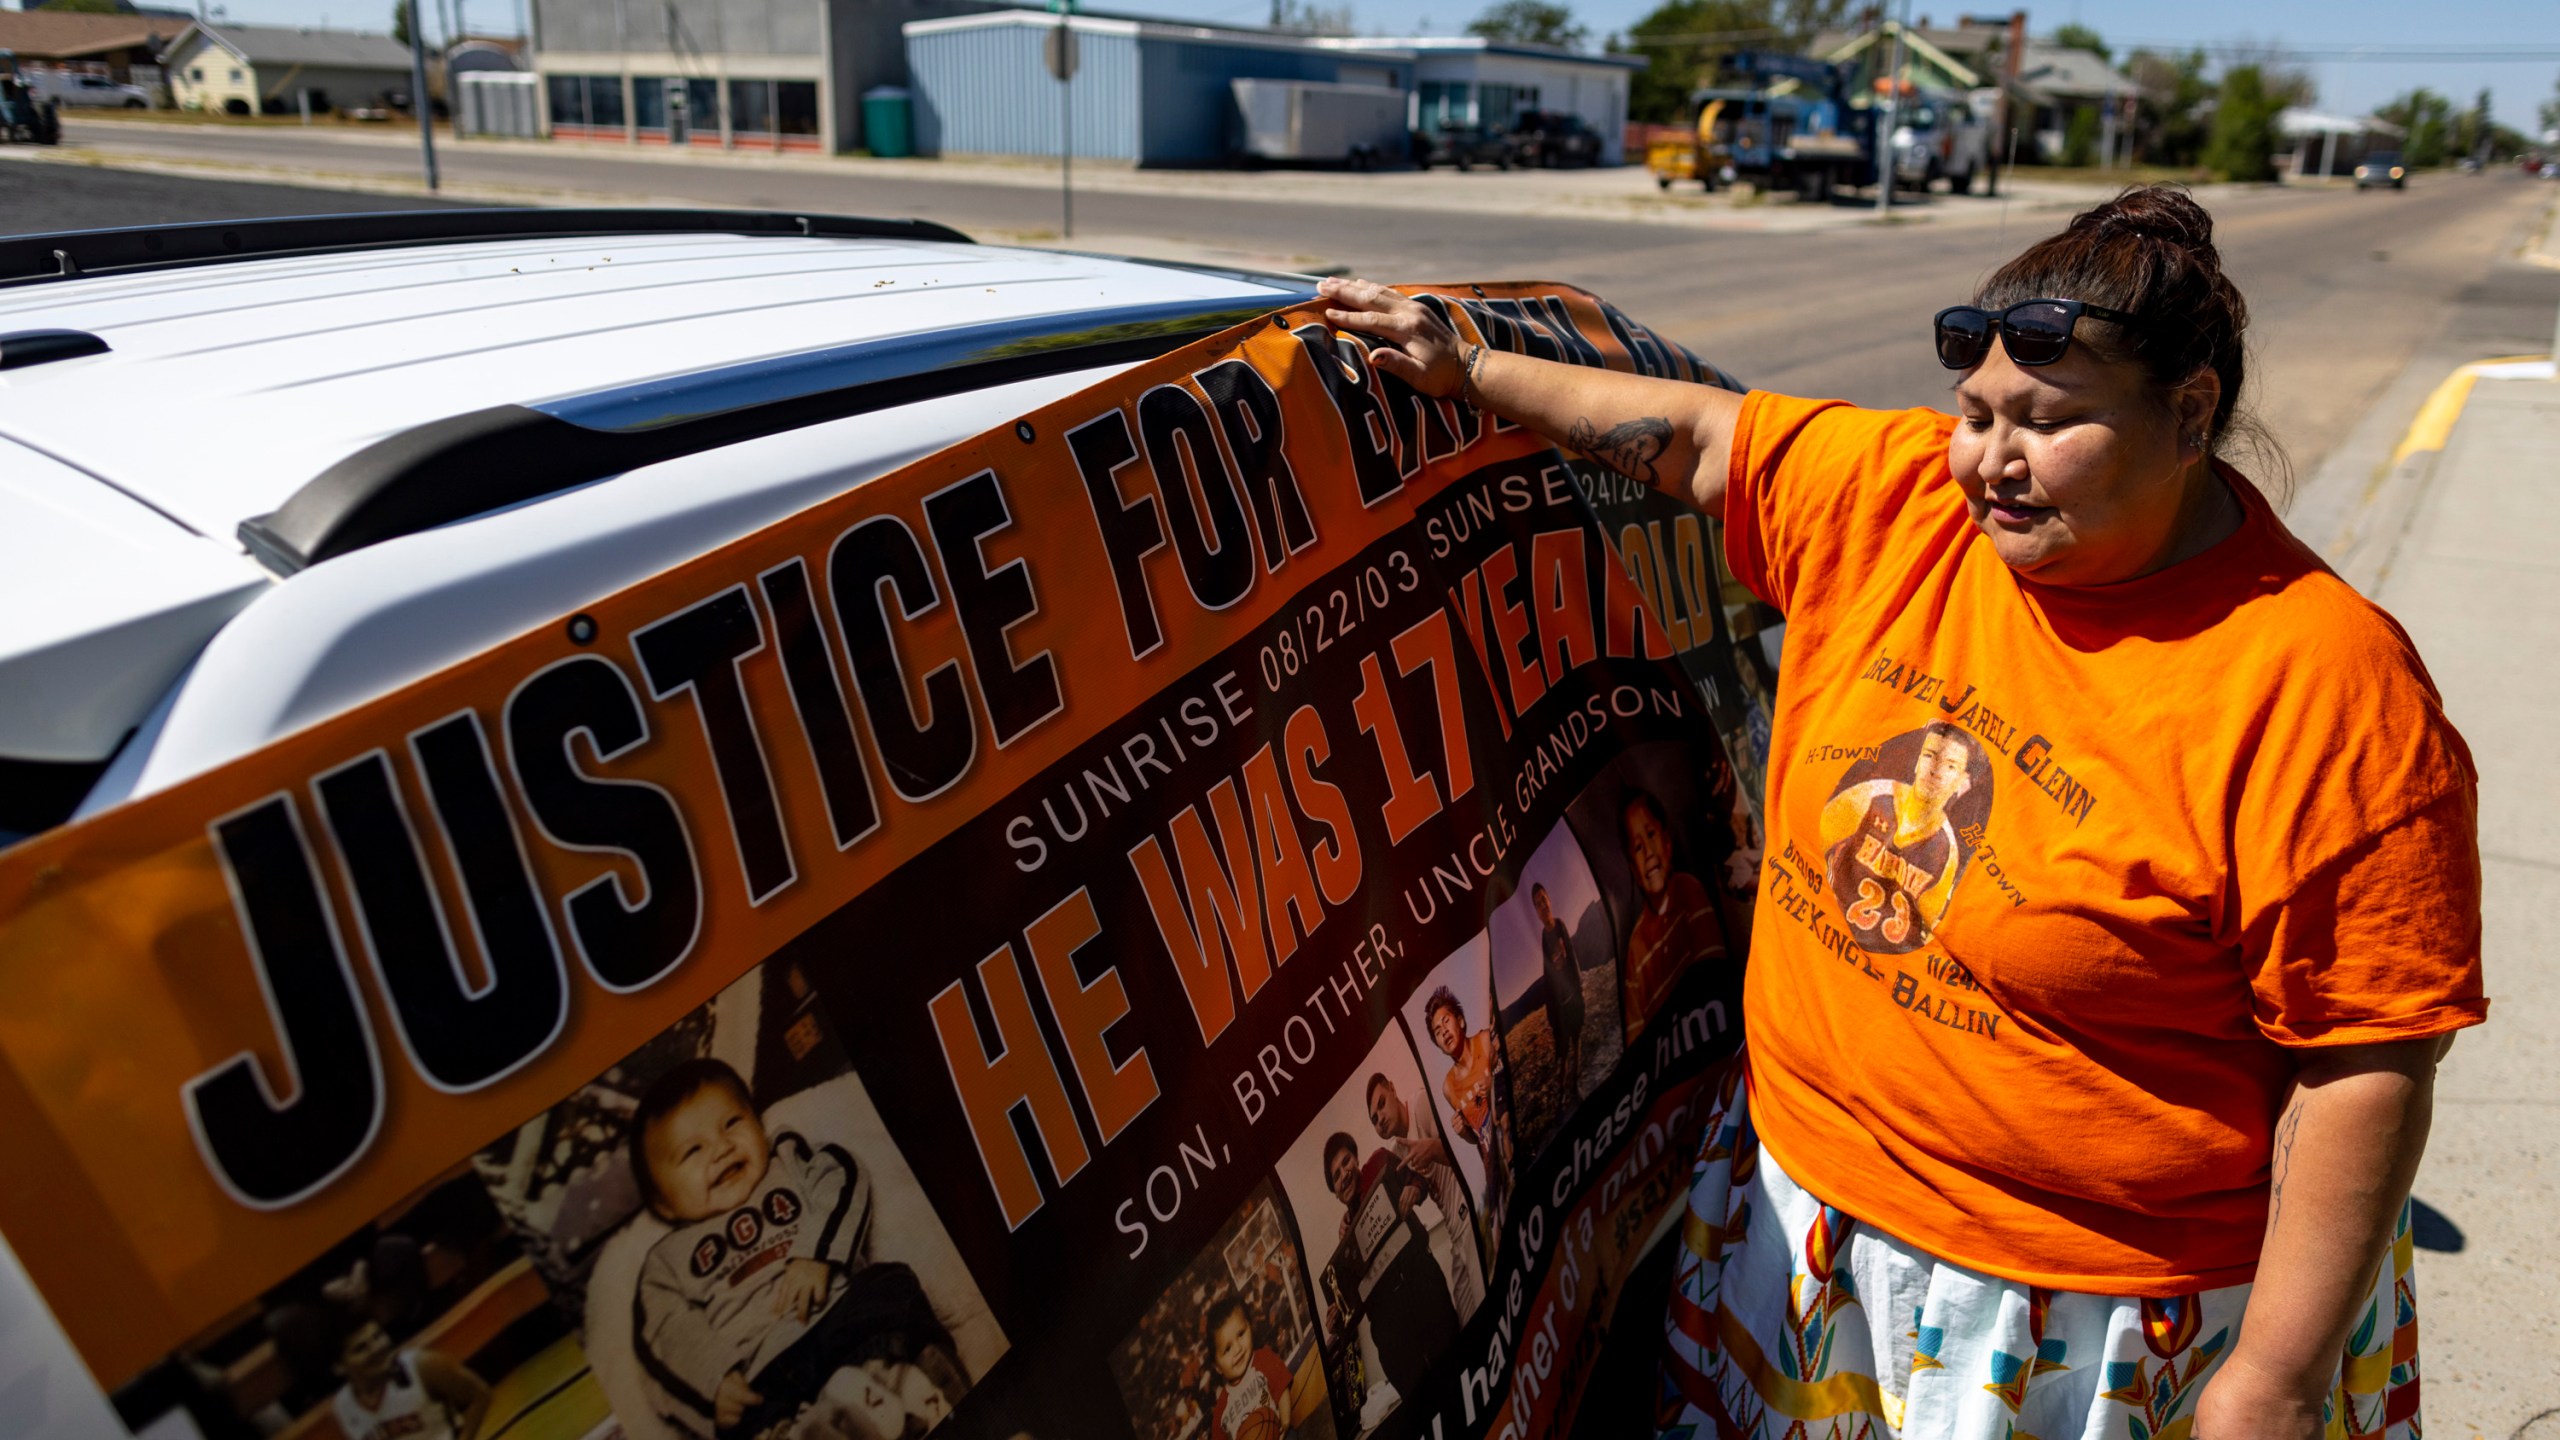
1792 1321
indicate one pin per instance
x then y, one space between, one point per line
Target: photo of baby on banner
1389 1229
1679 889
429 1324
1229 1351
1451 1012
1555 972
744 1250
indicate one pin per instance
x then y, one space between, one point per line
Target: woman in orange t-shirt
2121 890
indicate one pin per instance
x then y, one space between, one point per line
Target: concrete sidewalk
2474 574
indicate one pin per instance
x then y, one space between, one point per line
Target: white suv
193 419
254 474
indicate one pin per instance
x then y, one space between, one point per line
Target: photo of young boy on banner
1659 843
751 1256
1229 1351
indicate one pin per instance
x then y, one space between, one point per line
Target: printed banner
1206 911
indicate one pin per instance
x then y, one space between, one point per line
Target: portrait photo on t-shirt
1899 831
743 1247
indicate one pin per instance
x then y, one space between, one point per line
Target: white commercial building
1487 84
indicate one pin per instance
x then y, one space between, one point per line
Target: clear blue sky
2519 86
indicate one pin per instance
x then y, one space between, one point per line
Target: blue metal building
1150 92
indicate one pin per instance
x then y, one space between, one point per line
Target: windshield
2383 157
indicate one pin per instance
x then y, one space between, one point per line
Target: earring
2197 440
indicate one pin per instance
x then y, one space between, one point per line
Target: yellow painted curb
2434 424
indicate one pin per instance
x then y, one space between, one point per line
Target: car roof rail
33 259
484 460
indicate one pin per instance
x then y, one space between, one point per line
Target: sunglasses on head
2034 332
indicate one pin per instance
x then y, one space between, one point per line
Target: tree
1531 22
2471 128
2427 119
1304 17
2550 115
2076 36
2170 114
2245 134
2080 136
401 10
1684 42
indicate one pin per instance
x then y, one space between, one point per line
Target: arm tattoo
1630 448
2287 1130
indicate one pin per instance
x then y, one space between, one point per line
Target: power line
2351 54
2278 52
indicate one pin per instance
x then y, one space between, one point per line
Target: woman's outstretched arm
1673 436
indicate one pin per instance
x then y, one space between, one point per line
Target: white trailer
1314 121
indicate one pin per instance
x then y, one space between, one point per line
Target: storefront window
751 107
702 99
649 102
568 99
795 104
1443 102
604 101
591 102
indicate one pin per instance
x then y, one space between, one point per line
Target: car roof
154 416
225 387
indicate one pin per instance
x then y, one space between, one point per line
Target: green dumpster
888 122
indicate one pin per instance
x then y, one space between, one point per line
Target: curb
2443 407
2370 542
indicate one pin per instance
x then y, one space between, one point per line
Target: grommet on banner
1023 432
582 629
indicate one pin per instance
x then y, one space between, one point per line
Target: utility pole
1886 159
1062 64
418 90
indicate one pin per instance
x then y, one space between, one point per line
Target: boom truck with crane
1808 138
1812 136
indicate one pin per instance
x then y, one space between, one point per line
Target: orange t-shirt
2056 877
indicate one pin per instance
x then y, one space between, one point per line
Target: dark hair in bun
2149 252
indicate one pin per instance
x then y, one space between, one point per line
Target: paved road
2346 287
2362 303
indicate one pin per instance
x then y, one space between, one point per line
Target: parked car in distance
92 92
1554 139
2382 167
1940 137
1464 147
26 116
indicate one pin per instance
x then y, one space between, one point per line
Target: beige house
266 69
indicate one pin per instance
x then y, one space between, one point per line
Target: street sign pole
418 90
1887 161
1062 64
